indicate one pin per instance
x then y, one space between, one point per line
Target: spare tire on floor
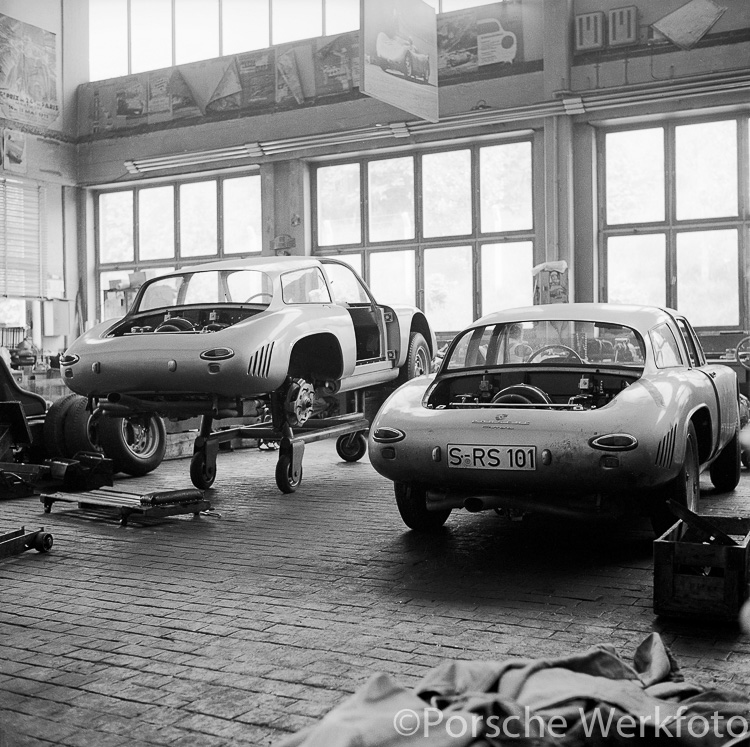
54 425
136 444
80 429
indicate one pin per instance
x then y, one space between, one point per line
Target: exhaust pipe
474 505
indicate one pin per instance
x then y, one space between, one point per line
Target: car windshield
560 342
211 287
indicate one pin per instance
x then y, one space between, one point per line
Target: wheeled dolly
349 430
18 541
152 505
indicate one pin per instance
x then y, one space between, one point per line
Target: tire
284 478
418 358
43 542
80 428
351 447
411 501
725 469
684 489
135 444
201 475
54 426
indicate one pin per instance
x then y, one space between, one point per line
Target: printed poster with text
28 73
399 55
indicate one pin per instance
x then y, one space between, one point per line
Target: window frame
176 261
475 239
671 226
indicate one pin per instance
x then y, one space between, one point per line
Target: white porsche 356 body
571 408
205 339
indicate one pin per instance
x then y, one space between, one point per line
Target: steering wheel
522 394
569 353
742 353
175 324
258 295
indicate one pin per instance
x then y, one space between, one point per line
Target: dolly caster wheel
202 474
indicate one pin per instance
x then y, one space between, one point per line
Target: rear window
546 343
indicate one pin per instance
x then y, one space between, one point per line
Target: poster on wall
257 72
399 55
337 64
28 73
488 37
14 151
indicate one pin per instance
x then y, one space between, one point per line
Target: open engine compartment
186 319
537 386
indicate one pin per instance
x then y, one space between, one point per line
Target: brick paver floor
240 628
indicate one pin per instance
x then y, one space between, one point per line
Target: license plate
472 456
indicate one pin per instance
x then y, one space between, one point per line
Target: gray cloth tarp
591 698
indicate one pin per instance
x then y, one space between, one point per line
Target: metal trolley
291 427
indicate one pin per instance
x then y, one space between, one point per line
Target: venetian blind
22 244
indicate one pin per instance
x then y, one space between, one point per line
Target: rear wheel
725 469
412 505
135 444
684 489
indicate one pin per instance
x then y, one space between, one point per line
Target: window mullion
670 208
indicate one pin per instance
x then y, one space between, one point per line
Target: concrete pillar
286 208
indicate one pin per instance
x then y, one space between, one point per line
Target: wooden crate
696 578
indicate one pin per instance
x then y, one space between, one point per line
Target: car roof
269 264
641 318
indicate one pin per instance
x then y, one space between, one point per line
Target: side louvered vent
260 363
665 452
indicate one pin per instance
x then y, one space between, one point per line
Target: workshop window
451 231
392 277
23 238
506 275
672 232
132 36
198 219
339 195
147 230
390 190
155 223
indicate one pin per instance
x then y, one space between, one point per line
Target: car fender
408 318
291 325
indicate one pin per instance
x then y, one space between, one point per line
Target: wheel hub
299 401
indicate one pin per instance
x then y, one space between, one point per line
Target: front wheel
412 505
725 469
351 447
135 444
684 489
